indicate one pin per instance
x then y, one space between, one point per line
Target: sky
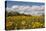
33 8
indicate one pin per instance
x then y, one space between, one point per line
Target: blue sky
11 3
34 8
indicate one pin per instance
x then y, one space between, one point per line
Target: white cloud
15 6
24 9
8 9
27 7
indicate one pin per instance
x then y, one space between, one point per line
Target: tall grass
24 22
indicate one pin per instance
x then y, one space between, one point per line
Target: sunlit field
24 22
24 15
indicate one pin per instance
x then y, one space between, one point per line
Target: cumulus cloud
27 9
17 7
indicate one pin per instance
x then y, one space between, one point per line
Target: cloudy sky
33 8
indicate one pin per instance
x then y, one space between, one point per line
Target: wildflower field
24 22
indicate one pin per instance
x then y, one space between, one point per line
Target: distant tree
17 13
42 14
14 13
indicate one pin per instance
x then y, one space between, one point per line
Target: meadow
24 15
24 22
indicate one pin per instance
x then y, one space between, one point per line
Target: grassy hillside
24 22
